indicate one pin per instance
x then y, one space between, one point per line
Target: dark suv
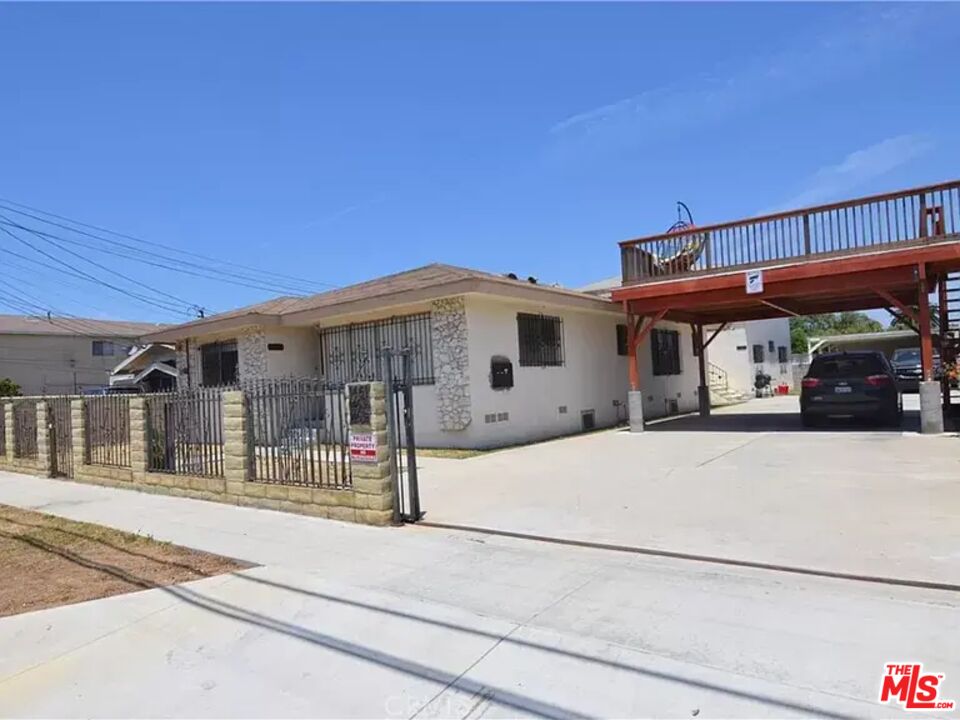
855 384
907 366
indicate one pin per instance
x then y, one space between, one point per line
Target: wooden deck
864 253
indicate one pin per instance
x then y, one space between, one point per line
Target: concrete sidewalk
350 621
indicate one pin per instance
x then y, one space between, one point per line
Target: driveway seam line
730 562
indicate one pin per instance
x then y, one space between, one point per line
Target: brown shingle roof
33 325
428 278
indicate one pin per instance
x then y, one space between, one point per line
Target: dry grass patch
49 561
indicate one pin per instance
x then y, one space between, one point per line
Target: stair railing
718 377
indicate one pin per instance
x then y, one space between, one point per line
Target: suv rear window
845 367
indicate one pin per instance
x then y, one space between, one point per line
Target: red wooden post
633 370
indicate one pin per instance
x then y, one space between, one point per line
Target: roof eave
209 326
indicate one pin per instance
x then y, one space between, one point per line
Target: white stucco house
741 350
496 360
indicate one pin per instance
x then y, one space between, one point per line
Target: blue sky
339 142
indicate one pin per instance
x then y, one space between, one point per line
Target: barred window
352 353
541 340
758 353
219 362
665 351
782 354
622 340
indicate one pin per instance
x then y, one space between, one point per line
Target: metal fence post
387 358
412 482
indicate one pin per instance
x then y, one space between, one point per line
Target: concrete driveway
747 484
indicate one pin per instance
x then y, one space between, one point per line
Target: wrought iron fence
864 224
107 424
3 429
25 429
61 435
298 433
185 432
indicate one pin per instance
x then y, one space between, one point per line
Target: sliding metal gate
61 436
400 430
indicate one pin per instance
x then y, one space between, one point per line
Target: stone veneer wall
251 357
448 324
195 367
370 500
252 349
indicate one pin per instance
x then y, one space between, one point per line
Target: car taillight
878 380
810 382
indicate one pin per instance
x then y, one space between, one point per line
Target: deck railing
855 226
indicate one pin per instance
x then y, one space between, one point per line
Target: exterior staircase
721 393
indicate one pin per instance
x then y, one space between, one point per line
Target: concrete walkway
747 484
350 621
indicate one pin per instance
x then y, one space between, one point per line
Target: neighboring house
885 341
151 368
63 355
741 350
496 360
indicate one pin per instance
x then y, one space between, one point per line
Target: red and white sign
907 685
363 448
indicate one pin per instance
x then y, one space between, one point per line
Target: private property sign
363 448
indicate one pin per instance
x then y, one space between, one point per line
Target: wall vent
588 420
562 409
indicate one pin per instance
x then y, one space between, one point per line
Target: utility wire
138 258
53 315
301 284
93 278
26 303
129 279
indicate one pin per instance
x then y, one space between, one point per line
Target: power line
65 320
301 284
28 304
205 273
93 278
21 280
102 267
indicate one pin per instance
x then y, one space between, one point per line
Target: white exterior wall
300 356
732 350
763 332
660 390
593 376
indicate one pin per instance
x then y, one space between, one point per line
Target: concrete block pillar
635 410
8 429
45 446
236 447
138 439
931 413
374 475
78 432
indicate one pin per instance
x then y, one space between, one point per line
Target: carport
883 251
